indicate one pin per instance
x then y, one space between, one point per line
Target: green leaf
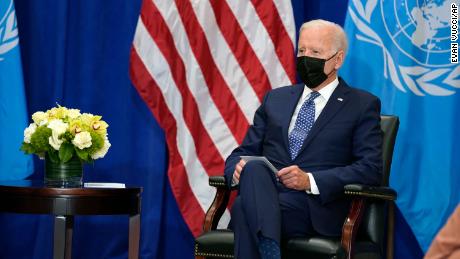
27 148
53 155
82 154
65 152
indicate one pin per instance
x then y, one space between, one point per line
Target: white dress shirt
320 103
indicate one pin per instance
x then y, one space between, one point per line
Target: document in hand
263 159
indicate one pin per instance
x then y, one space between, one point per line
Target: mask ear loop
330 59
332 56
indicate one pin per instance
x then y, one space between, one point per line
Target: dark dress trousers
342 147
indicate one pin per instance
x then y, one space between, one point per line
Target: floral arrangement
62 133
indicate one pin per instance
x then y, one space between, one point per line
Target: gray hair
340 38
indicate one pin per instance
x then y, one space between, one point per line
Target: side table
34 197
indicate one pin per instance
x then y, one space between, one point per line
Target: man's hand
294 178
237 172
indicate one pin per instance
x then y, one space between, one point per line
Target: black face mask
311 70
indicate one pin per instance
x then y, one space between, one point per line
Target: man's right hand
237 172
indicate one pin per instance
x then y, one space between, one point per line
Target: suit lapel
288 109
337 100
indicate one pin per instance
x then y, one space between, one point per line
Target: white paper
263 159
104 185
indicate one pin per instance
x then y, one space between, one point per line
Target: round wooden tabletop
34 197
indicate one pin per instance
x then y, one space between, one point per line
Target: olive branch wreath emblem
416 78
8 31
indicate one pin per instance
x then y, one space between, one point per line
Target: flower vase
68 174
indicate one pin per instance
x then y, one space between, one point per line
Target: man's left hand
294 178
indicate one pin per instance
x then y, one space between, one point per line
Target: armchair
363 233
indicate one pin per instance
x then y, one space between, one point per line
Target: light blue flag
405 52
13 114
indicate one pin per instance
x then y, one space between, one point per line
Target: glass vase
68 174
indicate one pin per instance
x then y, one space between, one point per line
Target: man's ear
339 60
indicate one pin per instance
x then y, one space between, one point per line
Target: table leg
134 235
63 229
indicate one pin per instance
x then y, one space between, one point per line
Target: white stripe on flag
260 41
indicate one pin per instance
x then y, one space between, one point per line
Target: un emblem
8 28
415 37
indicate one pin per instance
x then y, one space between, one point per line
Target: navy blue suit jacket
343 147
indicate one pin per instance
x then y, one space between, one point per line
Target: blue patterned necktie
303 124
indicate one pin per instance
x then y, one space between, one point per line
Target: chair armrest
219 204
374 192
221 182
217 181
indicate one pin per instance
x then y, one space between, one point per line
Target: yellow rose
38 117
73 113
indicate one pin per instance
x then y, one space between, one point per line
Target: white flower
29 131
43 122
39 117
82 140
101 152
54 140
58 126
73 113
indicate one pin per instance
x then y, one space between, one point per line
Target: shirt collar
325 92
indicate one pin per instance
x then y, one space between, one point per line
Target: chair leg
391 228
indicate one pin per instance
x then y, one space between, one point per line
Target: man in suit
321 135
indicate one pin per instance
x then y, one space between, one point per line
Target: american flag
203 67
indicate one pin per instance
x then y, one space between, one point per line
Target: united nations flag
401 50
13 114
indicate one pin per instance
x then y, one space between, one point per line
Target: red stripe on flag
268 14
206 149
241 48
152 96
218 88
